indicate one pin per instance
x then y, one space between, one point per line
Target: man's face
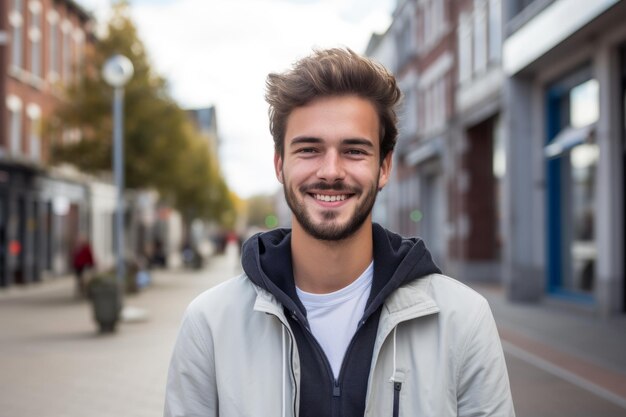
331 169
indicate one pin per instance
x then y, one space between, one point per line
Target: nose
331 168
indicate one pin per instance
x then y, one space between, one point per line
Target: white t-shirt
334 317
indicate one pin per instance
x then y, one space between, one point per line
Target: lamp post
117 71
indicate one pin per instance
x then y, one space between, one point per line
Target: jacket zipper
291 353
336 382
397 386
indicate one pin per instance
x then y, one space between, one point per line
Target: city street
54 364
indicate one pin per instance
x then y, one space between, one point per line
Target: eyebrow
358 142
351 141
305 139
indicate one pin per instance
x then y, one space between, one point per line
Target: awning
568 138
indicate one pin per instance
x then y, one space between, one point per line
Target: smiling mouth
330 198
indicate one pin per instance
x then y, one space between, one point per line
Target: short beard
332 231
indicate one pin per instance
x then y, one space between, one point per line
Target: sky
219 52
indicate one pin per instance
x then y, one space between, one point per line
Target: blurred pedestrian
337 312
82 261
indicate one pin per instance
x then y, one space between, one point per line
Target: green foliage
162 150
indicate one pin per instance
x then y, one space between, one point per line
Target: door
571 164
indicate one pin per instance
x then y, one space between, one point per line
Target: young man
337 316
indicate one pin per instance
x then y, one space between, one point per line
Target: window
480 36
573 160
53 49
465 47
16 21
434 108
433 20
410 111
495 30
34 34
67 52
584 103
14 105
403 42
34 131
522 4
79 38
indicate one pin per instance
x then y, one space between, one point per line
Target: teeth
330 198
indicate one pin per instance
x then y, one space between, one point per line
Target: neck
321 266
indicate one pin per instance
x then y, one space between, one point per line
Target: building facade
510 161
565 94
423 34
475 252
43 43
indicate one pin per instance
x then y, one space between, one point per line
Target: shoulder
452 296
225 299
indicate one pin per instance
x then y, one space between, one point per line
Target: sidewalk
54 363
585 351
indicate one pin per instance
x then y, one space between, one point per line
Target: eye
356 152
306 150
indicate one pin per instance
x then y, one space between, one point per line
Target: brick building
475 249
424 36
43 44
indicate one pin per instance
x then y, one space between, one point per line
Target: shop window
584 104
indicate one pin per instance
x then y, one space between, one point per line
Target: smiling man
337 316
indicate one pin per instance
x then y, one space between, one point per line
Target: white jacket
236 357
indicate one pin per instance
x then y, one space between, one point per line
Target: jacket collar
407 302
412 300
266 302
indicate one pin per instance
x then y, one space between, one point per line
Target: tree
162 149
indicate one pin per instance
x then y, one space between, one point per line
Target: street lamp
117 71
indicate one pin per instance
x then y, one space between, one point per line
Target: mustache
324 186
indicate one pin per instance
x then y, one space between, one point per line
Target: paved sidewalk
585 356
54 363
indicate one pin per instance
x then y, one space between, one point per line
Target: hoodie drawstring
284 395
393 375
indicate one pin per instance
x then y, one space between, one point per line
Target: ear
385 171
278 166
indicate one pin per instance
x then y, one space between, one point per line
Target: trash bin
105 297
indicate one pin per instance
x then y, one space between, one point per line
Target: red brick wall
43 92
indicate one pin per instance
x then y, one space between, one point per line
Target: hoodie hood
266 260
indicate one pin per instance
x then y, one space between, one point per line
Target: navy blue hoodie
266 259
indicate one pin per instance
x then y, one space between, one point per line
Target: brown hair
333 72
